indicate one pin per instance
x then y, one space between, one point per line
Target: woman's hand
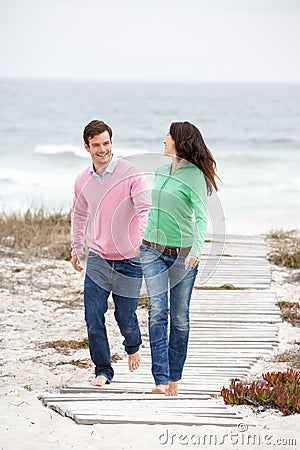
191 262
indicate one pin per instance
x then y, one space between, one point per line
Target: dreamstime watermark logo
241 436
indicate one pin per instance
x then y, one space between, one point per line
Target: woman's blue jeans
163 273
123 278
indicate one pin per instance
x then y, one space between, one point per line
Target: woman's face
170 148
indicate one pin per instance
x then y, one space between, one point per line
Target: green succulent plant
280 390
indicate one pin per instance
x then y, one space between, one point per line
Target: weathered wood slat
241 272
215 284
233 332
161 404
203 388
237 238
154 420
235 249
107 397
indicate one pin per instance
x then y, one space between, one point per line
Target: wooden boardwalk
230 330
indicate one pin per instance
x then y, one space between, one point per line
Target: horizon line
122 80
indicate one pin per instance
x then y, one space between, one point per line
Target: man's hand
75 261
136 252
191 261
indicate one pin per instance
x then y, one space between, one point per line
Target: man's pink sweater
112 215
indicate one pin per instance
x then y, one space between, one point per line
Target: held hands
191 262
137 252
75 261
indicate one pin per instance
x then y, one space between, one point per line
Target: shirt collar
109 168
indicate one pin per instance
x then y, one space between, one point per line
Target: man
110 209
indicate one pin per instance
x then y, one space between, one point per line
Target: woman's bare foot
160 389
99 381
172 390
134 361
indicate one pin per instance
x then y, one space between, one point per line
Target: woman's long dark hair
191 147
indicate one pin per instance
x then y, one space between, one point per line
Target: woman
171 248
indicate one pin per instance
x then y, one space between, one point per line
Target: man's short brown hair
93 128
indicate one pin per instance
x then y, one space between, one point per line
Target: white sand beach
41 302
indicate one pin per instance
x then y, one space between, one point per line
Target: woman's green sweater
178 214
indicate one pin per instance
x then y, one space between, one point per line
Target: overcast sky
172 40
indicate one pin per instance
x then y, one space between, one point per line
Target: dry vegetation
286 248
39 233
61 345
292 357
286 253
290 312
36 233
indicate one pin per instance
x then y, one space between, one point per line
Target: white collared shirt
109 169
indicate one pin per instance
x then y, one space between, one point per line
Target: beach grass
290 312
36 233
281 234
72 344
291 357
285 252
228 287
286 248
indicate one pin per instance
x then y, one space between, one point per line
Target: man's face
100 149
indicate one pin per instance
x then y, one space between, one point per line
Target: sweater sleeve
198 197
78 222
140 195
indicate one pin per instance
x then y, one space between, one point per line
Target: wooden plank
232 318
150 420
198 310
227 262
138 413
254 319
108 397
233 270
235 249
247 326
204 388
250 293
236 332
137 404
217 283
249 239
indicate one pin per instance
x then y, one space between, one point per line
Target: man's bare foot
134 361
172 390
99 381
160 389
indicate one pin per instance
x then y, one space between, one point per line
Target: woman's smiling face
170 148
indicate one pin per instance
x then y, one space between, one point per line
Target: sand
41 301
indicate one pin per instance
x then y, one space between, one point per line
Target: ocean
253 131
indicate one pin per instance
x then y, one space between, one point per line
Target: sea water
253 131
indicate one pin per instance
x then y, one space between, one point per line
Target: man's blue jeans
123 278
168 352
